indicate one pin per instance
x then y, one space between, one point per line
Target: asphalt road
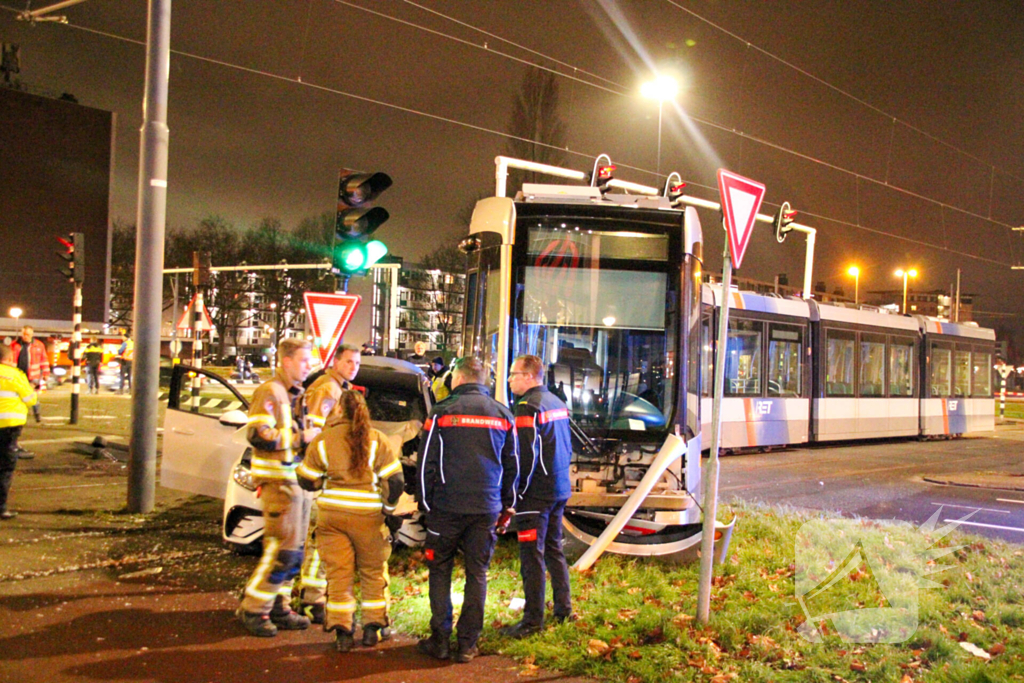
887 480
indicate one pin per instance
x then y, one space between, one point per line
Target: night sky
894 128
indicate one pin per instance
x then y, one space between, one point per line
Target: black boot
437 646
344 641
374 633
285 618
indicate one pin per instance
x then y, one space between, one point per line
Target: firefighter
545 448
16 396
322 401
468 473
276 435
361 478
31 358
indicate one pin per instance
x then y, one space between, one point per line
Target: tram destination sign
741 200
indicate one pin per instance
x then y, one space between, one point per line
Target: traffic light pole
197 346
149 260
76 345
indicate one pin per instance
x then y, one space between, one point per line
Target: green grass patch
636 616
1014 409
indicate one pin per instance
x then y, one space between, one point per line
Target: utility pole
149 260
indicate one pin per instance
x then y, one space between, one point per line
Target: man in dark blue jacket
545 447
468 475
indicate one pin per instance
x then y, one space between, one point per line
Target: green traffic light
375 251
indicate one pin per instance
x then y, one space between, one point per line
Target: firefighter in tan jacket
276 433
322 401
361 478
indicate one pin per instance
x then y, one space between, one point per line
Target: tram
801 371
603 283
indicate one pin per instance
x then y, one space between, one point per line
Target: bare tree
538 130
444 282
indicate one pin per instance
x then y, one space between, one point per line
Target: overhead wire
503 134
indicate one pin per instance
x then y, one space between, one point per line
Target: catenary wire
437 117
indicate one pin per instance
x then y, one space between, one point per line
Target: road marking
66 439
70 486
971 507
987 526
1010 500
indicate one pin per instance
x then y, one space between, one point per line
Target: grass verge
636 616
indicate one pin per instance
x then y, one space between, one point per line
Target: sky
895 129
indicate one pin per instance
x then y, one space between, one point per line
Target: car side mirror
234 418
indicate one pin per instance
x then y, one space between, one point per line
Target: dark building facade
55 162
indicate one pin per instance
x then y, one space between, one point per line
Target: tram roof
749 301
862 316
935 326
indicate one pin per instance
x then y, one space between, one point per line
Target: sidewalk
91 593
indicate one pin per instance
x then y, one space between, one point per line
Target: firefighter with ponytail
361 480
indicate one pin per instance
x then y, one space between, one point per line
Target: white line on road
972 507
1010 500
70 486
987 526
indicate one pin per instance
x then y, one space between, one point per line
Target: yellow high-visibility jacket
16 396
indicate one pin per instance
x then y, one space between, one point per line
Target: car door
200 446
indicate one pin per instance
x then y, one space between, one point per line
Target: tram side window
743 358
785 355
962 372
840 362
707 357
872 365
982 373
941 372
901 367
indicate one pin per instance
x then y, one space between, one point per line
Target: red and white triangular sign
185 323
741 200
329 315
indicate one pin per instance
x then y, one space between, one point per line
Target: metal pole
174 318
956 311
76 340
658 168
856 289
905 276
149 260
197 347
707 541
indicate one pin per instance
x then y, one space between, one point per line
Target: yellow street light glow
854 271
15 312
912 272
661 88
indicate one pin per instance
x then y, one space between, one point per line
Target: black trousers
539 527
446 533
8 461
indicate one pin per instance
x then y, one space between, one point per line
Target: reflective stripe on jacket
468 460
545 445
275 429
16 396
323 397
328 466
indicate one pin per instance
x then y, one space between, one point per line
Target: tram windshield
596 306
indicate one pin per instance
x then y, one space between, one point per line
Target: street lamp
855 272
661 88
15 313
905 274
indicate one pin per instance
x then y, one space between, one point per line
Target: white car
205 451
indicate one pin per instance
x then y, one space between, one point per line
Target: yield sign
741 199
185 323
329 315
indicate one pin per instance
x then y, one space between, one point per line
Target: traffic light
74 255
783 218
354 252
201 269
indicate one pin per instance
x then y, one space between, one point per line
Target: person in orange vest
30 358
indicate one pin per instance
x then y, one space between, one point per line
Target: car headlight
243 477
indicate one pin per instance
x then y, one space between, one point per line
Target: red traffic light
605 172
67 244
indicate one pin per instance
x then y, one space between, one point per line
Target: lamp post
661 88
855 272
905 274
15 313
